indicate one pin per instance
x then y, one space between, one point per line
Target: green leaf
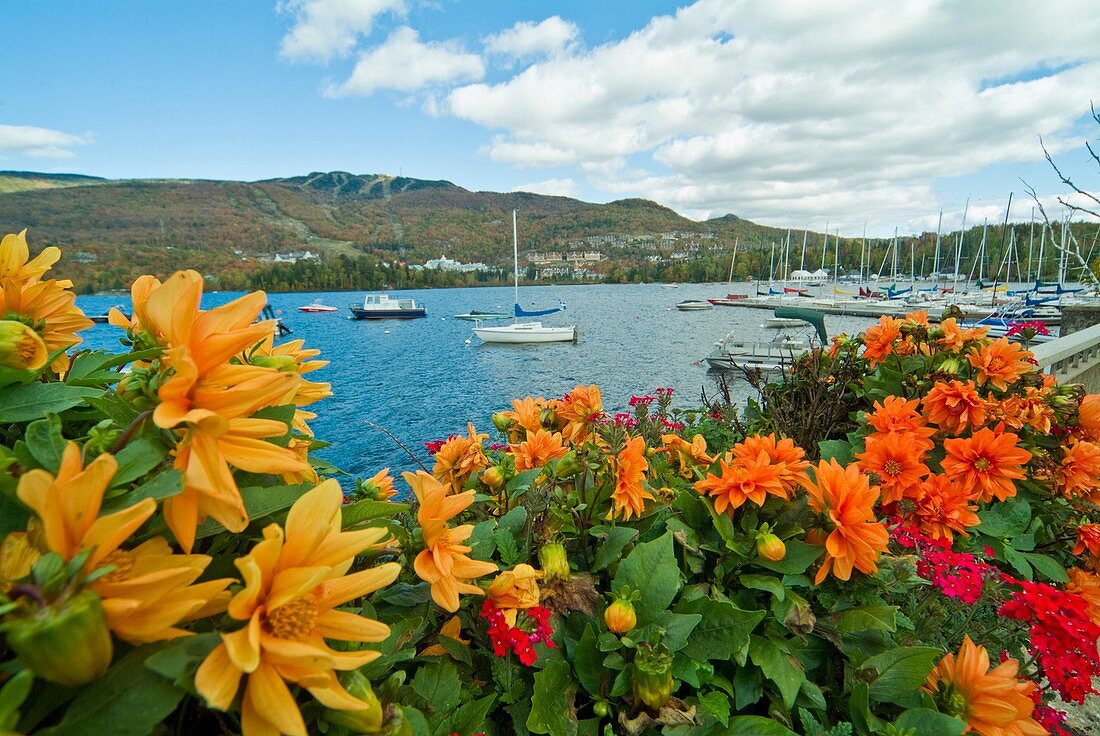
717 704
471 716
259 502
615 540
130 700
927 722
138 458
115 408
1006 519
650 569
866 618
900 672
678 627
766 583
180 658
798 559
756 726
588 662
45 442
438 684
164 484
1048 567
368 509
552 703
783 669
724 629
36 400
838 450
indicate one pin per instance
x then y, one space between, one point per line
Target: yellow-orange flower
50 308
630 495
540 447
294 357
526 415
954 406
897 461
451 629
1086 585
443 562
1029 410
895 414
993 702
460 457
784 454
688 454
918 318
986 463
956 338
380 486
16 263
1079 472
294 581
1088 417
1088 540
18 554
855 538
578 409
514 590
943 508
879 339
1000 363
743 479
150 589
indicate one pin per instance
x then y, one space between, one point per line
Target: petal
347 626
217 679
313 516
108 532
341 590
293 583
267 700
243 646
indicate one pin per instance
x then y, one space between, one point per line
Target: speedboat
694 305
770 356
317 307
383 306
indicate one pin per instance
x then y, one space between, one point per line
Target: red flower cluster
433 446
672 426
1063 638
957 575
642 400
1054 721
664 393
505 638
627 421
1038 327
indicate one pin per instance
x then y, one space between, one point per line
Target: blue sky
796 113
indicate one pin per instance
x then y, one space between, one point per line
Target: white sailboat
525 332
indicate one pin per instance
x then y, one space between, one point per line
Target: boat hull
317 310
358 313
526 332
694 306
483 316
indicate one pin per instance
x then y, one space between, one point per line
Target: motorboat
525 332
384 306
694 305
477 316
316 307
729 300
771 357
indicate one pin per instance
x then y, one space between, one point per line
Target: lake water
421 380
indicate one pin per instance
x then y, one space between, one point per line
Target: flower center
891 467
293 620
123 562
996 364
982 464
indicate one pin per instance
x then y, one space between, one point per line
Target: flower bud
283 363
555 564
620 617
950 365
502 422
652 680
66 642
568 465
368 720
492 477
770 547
21 347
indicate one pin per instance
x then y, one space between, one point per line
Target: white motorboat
782 323
767 356
694 305
383 306
317 307
525 332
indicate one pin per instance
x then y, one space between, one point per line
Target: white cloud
27 140
552 187
324 29
528 38
798 111
406 64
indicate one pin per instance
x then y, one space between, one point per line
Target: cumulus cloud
325 29
406 64
528 38
799 112
554 187
27 140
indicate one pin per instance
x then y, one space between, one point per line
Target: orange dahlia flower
514 590
955 338
1086 585
918 318
1088 417
526 415
1079 472
150 589
294 583
1029 410
294 357
744 479
954 406
895 414
443 562
578 409
539 448
784 453
380 486
898 462
688 454
1000 363
630 495
879 339
1088 540
993 702
943 508
460 457
854 537
986 463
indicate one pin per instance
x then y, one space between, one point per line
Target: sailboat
525 332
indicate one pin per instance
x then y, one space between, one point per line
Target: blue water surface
424 379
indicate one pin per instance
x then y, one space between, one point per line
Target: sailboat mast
515 252
825 247
959 245
1030 245
802 262
733 260
836 258
862 248
936 258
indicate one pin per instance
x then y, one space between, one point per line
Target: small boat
102 319
694 305
782 323
475 315
317 307
383 306
729 300
771 357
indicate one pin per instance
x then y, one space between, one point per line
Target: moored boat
317 307
694 305
383 306
477 316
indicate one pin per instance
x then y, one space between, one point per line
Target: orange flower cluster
1086 585
629 497
1088 417
540 447
852 537
459 458
1000 363
955 338
879 340
754 469
784 454
987 463
1078 475
1029 410
689 455
898 416
1088 540
943 508
955 406
897 461
578 409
